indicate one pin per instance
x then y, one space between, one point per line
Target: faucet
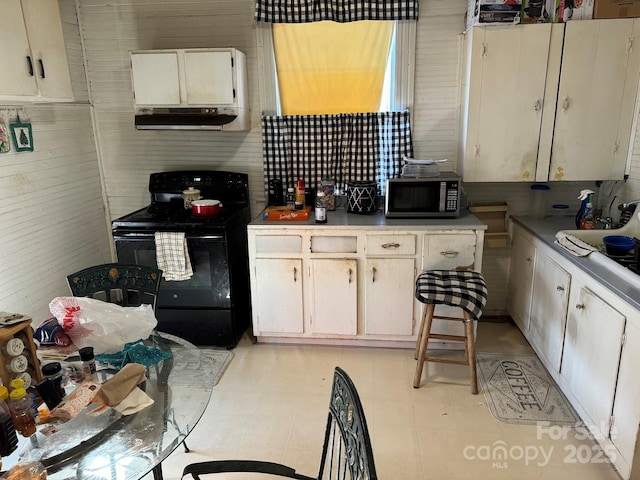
624 206
627 210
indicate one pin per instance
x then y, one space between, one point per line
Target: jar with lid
539 194
13 347
321 208
17 364
88 364
53 371
20 405
8 437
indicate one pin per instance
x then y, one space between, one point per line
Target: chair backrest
125 285
347 446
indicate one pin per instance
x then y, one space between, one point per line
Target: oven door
209 287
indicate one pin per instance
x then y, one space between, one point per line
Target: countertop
340 219
546 228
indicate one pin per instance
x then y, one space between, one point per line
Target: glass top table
127 447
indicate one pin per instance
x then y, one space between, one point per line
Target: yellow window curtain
327 67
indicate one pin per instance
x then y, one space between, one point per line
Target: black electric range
213 306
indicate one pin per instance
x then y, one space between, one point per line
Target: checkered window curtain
343 147
302 11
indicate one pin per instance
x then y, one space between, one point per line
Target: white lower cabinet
337 280
389 287
550 297
588 338
277 305
523 261
591 356
356 285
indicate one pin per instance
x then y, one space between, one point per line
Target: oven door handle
151 236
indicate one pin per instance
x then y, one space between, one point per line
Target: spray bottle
584 217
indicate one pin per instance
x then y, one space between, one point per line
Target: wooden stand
23 331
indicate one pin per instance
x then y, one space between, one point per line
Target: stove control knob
175 295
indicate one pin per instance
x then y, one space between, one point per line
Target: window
328 67
397 94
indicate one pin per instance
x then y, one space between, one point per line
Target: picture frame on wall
22 136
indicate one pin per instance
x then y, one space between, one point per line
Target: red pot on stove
205 208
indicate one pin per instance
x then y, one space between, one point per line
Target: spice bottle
321 208
17 364
300 191
21 412
8 437
13 347
88 364
291 198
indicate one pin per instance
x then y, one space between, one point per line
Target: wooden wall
52 216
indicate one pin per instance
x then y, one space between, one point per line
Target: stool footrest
446 360
440 317
451 338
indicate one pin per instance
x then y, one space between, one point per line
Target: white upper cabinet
549 102
186 77
34 59
596 100
507 68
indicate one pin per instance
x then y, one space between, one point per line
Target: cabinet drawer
391 244
449 251
278 244
326 244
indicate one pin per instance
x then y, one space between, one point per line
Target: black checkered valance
304 11
343 147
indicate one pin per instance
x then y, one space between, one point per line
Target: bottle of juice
8 437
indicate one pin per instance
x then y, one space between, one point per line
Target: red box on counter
286 213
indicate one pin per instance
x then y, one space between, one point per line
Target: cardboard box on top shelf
567 10
616 8
485 12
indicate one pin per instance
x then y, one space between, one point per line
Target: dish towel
172 256
575 246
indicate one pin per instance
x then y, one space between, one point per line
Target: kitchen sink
594 238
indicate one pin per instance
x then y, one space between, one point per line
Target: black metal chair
125 285
347 447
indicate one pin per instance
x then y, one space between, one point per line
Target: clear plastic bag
106 327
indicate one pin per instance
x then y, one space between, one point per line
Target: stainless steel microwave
423 197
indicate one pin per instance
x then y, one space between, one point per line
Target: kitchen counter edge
545 229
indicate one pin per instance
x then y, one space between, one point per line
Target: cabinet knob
390 245
529 259
580 306
30 65
565 104
449 254
350 275
560 288
538 105
295 274
41 65
373 274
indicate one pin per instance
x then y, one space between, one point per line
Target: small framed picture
21 136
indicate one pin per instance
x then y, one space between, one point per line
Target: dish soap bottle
587 198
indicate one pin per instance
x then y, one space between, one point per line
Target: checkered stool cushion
460 288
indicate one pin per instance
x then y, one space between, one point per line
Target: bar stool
465 289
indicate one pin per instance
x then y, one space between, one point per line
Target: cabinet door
279 296
390 283
523 259
335 296
506 85
592 344
449 251
15 76
155 78
208 78
44 30
626 408
596 100
549 309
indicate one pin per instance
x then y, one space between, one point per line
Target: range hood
190 89
189 118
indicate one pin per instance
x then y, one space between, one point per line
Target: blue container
617 244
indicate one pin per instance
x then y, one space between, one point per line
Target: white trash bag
106 327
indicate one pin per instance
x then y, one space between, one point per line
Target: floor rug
189 374
518 389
